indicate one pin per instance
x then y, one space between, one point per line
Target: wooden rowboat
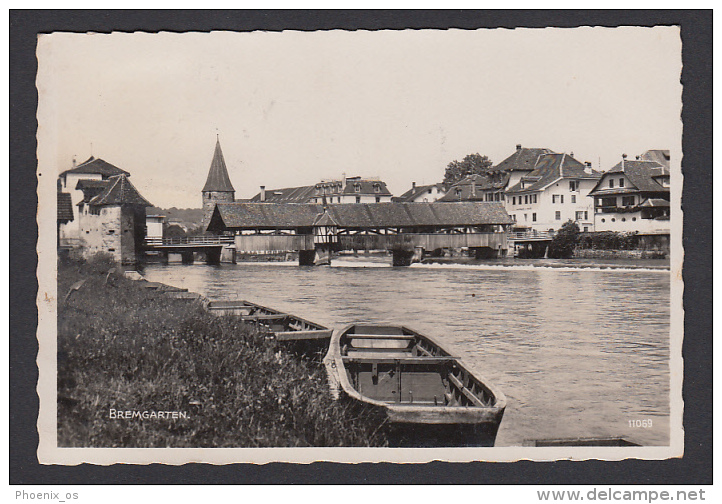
283 326
430 398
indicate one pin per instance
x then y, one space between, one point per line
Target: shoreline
132 346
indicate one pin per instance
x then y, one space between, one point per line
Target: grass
127 348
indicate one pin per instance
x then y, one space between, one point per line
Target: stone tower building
218 188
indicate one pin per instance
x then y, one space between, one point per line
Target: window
561 197
578 216
604 220
557 215
574 198
377 188
624 219
586 229
111 250
533 217
634 219
586 215
611 182
526 199
357 187
621 182
514 217
614 220
430 191
534 198
627 200
526 217
358 199
378 199
573 185
111 231
513 200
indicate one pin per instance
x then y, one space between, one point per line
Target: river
579 350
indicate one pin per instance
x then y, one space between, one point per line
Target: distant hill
190 218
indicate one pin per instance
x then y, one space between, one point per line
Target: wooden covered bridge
405 229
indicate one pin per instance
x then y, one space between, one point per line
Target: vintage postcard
353 246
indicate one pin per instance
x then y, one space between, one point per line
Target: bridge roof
357 215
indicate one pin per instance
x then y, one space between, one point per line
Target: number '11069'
641 423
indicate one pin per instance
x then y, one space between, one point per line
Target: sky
295 108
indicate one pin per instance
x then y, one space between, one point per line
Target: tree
471 164
565 241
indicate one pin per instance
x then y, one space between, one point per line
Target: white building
633 196
154 227
345 190
552 193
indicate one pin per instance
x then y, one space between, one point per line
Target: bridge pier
213 256
322 256
532 250
484 252
187 257
402 257
306 257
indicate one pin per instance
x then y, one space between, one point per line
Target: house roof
84 184
523 159
287 195
304 194
364 186
218 179
412 193
119 192
641 174
655 202
551 167
96 167
472 187
65 207
660 156
356 215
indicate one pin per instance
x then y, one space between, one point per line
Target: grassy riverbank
125 348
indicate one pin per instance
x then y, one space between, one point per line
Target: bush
609 240
564 241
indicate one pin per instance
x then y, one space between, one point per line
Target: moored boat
283 326
430 398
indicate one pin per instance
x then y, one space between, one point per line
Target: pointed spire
218 179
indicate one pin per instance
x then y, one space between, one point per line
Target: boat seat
382 336
277 316
369 359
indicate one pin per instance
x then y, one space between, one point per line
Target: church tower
218 188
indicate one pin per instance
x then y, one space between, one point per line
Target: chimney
343 182
473 187
413 185
637 158
571 154
75 162
588 167
518 146
263 193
